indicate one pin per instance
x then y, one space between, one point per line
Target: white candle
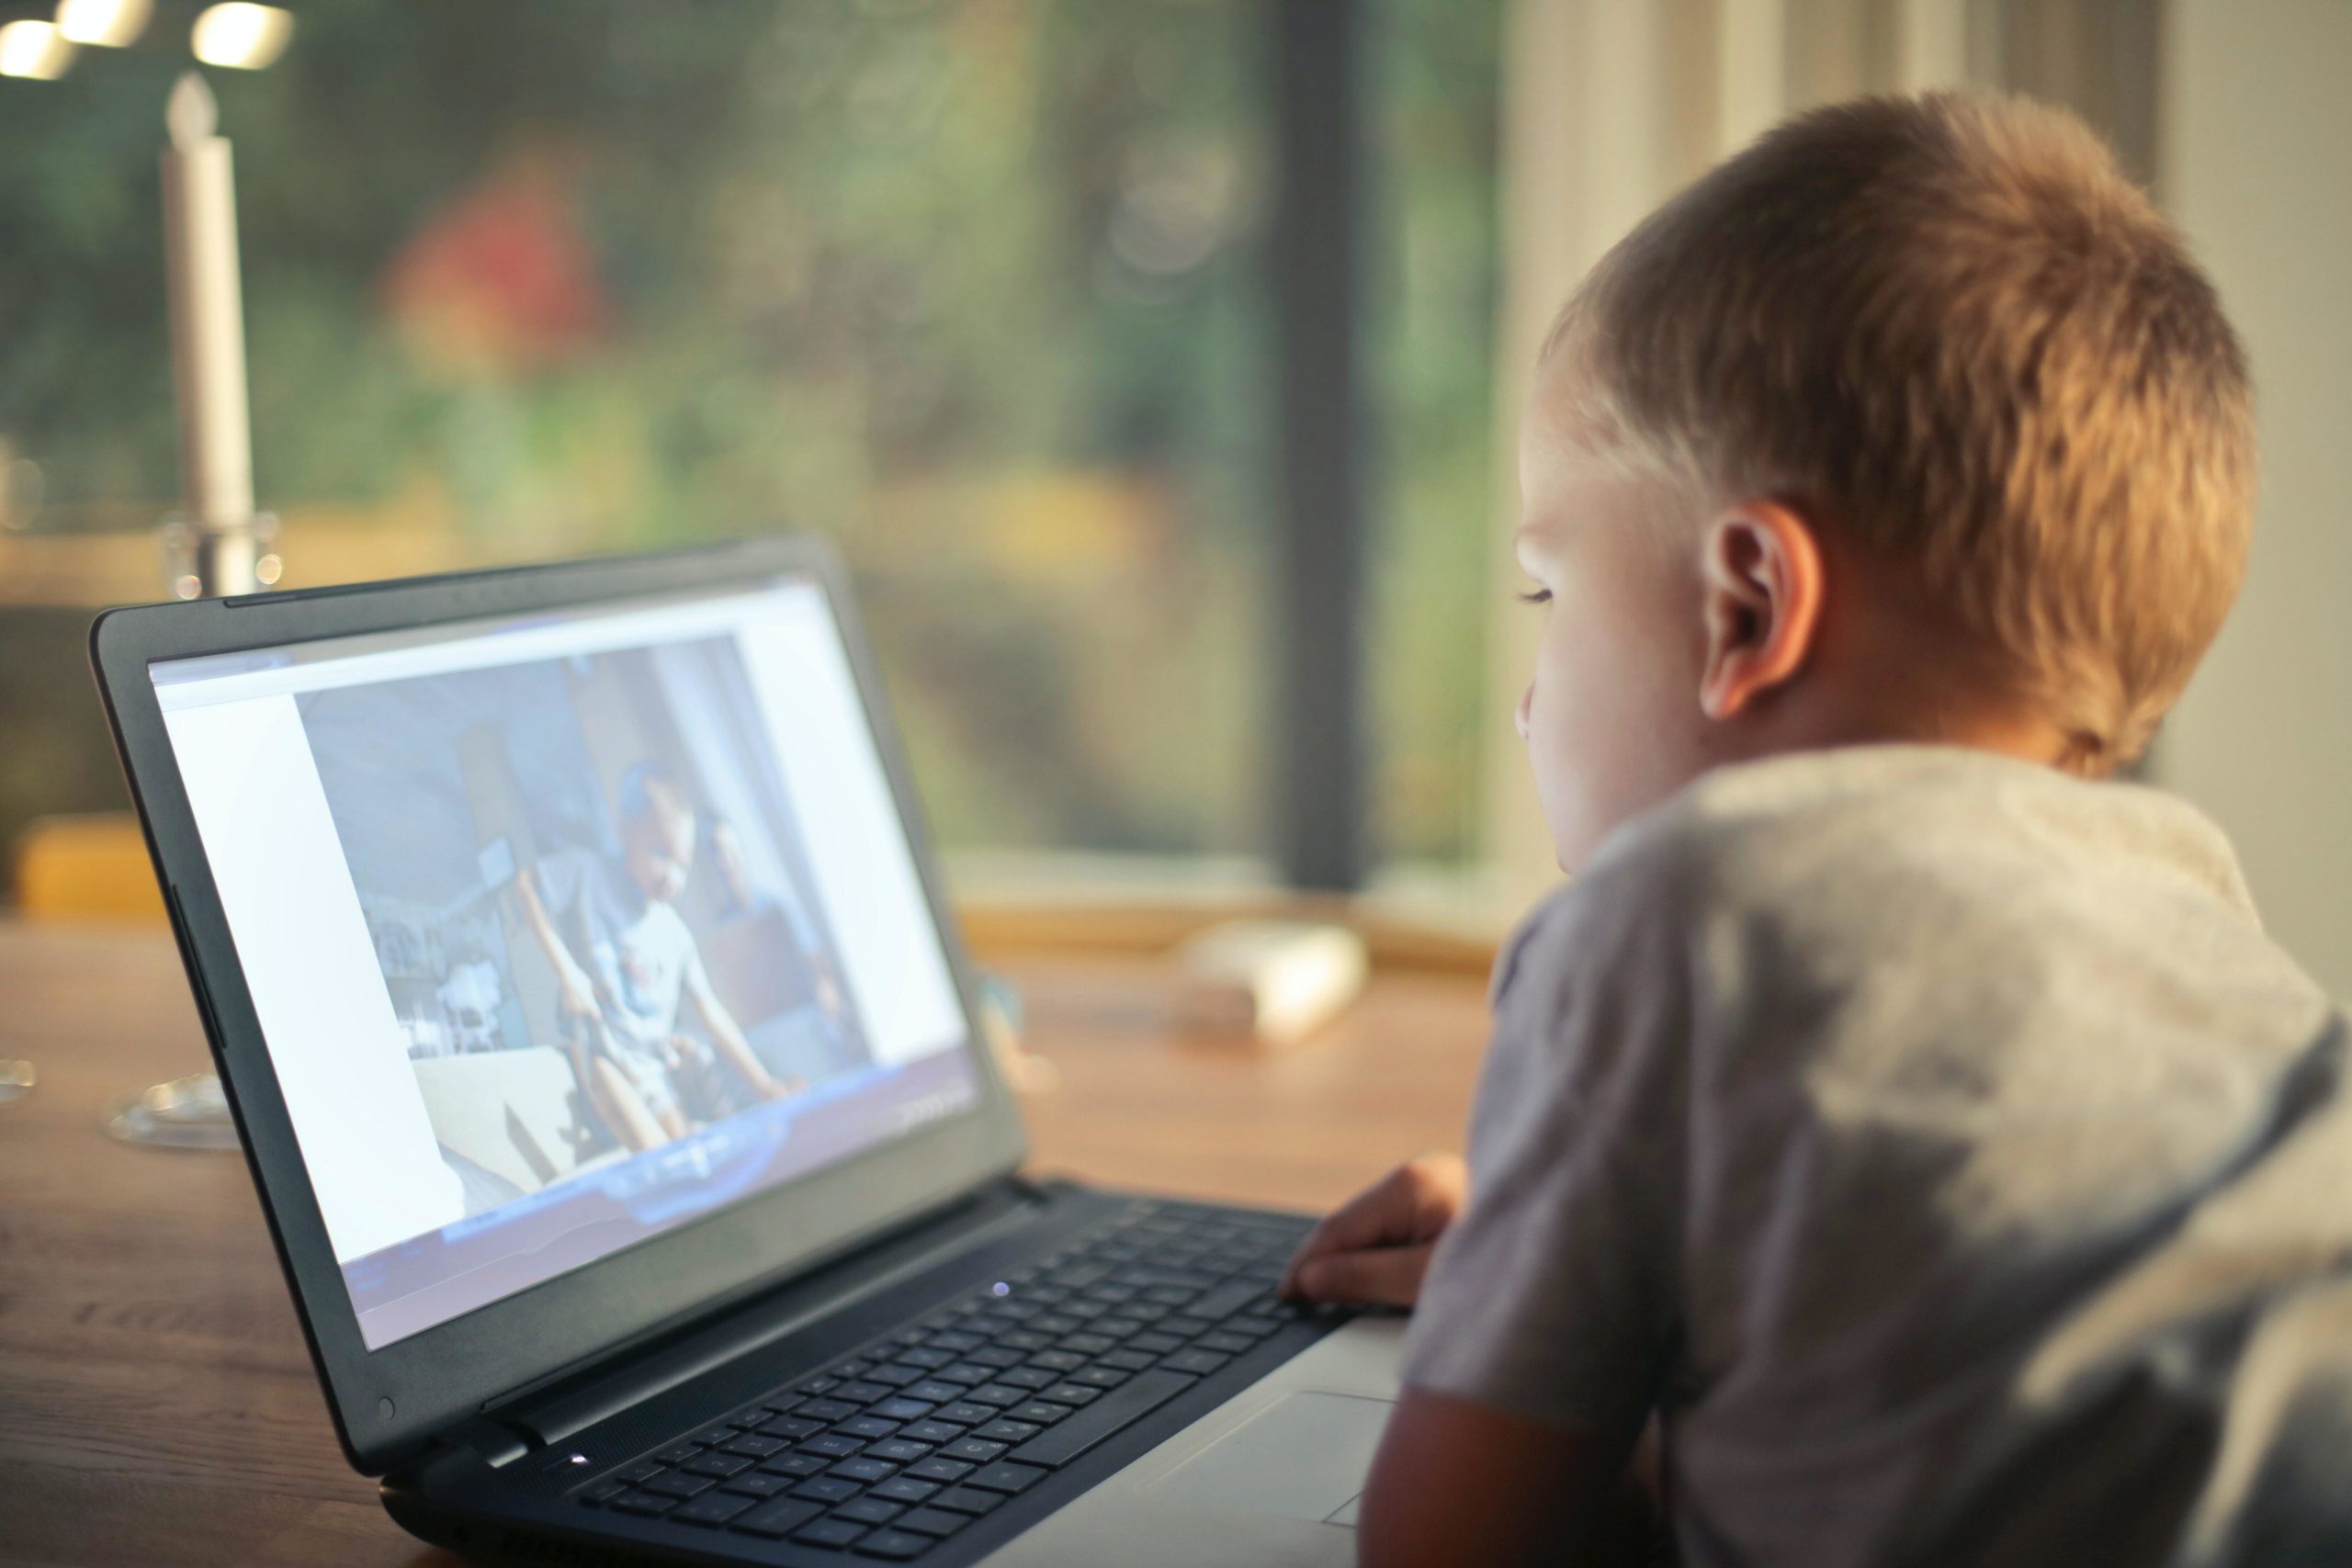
209 339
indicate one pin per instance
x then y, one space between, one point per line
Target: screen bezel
388 1403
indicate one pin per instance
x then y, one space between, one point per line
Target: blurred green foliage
975 285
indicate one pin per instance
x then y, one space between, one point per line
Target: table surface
156 1403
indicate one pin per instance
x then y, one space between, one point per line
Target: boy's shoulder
1835 856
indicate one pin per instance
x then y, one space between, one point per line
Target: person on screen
625 964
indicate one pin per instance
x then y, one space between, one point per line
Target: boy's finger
1383 1214
1388 1276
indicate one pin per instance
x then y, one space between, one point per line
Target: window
980 288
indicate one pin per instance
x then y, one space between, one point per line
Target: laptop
578 971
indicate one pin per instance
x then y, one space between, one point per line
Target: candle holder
199 561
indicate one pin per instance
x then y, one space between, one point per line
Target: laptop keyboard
897 1447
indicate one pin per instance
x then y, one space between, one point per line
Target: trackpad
1302 1457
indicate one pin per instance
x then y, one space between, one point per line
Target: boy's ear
1762 588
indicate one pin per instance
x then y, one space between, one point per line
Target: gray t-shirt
1938 1145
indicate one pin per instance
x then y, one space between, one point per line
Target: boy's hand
576 993
1377 1246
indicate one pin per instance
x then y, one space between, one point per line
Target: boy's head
1912 421
658 831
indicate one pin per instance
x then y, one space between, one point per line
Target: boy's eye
1535 596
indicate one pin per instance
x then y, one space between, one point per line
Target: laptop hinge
550 1415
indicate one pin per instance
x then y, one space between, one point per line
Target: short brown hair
1951 326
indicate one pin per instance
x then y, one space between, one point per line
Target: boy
625 961
1921 1132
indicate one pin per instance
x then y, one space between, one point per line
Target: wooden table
156 1405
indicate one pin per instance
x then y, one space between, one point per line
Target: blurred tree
973 285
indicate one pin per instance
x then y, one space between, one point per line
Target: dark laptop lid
569 946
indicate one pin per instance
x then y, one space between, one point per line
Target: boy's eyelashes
1535 596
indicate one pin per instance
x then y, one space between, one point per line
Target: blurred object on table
92 867
1274 982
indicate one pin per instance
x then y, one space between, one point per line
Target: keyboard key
1007 1477
825 1410
1088 1344
1065 1440
961 1343
1071 1393
792 1428
1223 1302
965 1373
1129 1361
852 1367
711 1509
643 1470
964 1500
780 1517
1156 1343
1185 1328
1202 1361
1227 1344
933 1389
1057 1360
1040 1413
997 1394
719 1465
643 1503
861 1392
833 1444
932 1432
676 1484
755 1445
897 1374
826 1489
830 1532
893 1545
974 1450
864 1470
792 1464
967 1413
1099 1377
758 1484
938 1469
678 1453
819 1385
933 1522
898 1450
904 1409
867 1427
1034 1377
870 1511
1007 1432
905 1489
603 1491
998 1355
925 1357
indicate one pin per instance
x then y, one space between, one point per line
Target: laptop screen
565 930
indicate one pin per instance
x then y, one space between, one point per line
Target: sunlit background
988 291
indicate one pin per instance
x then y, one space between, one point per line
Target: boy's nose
1519 713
